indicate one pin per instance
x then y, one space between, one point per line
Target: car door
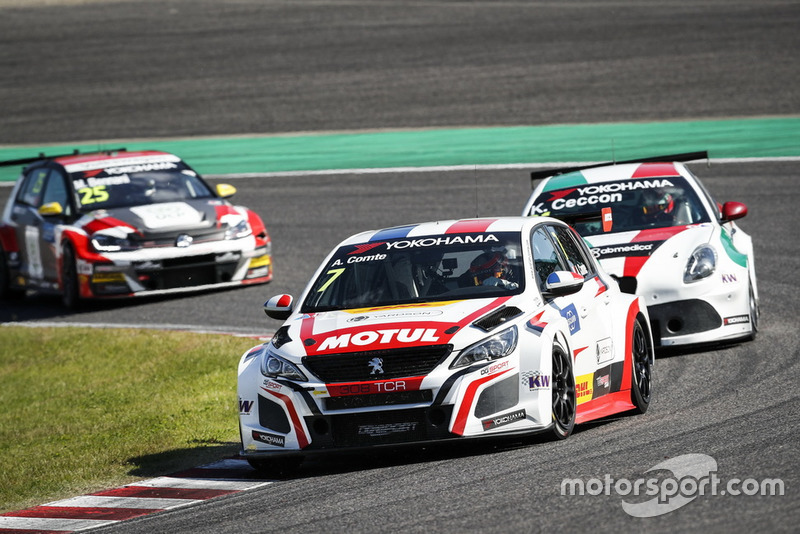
586 312
35 229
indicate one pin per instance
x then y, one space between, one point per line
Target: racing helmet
489 265
658 203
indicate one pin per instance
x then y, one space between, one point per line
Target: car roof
449 227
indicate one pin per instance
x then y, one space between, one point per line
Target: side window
56 191
573 252
546 259
33 189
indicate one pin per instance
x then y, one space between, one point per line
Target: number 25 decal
90 195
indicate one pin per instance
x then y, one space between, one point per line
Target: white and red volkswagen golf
119 224
445 331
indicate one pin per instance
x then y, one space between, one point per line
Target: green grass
85 409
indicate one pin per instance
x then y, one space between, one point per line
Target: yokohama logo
502 420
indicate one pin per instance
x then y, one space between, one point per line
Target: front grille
188 271
397 363
350 402
379 428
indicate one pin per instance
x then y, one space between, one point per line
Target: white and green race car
653 225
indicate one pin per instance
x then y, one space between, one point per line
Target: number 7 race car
122 224
653 226
445 331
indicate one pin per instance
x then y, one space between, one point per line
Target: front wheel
641 369
70 292
563 386
7 290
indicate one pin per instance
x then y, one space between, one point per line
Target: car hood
628 253
168 218
393 327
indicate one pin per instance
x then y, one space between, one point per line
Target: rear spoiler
686 156
41 156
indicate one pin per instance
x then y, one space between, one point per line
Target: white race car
658 231
118 224
445 331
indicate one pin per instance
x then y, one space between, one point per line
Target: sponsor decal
274 386
387 428
738 319
502 420
167 214
360 249
397 315
605 350
643 248
269 439
494 368
584 388
381 337
146 167
602 382
245 406
729 278
371 388
442 241
571 315
535 380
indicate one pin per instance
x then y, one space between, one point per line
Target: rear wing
686 156
41 156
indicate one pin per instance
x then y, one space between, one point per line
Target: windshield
108 189
419 269
635 205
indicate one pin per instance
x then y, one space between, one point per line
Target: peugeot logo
377 366
183 241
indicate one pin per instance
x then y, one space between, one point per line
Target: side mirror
279 307
561 283
225 190
733 210
50 209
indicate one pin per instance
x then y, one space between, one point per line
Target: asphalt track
214 68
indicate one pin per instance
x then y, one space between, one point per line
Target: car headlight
110 243
701 264
274 366
238 230
497 346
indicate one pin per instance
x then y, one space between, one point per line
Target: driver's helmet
489 265
658 204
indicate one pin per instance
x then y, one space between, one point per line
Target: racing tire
70 291
641 369
7 292
563 389
285 466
